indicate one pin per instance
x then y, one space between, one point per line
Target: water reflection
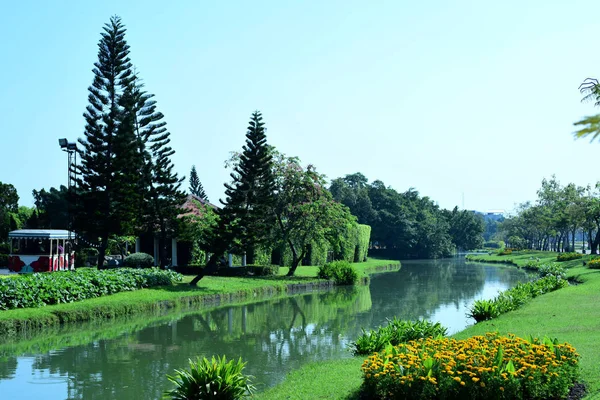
131 359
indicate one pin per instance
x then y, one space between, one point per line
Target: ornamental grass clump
481 367
216 378
394 333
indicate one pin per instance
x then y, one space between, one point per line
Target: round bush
139 260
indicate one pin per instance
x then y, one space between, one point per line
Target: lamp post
71 149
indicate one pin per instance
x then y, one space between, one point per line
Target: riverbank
210 291
571 315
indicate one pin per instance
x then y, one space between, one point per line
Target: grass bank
210 291
571 314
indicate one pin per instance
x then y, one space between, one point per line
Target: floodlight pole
71 149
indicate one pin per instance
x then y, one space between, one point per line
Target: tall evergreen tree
196 187
165 194
249 197
106 179
246 219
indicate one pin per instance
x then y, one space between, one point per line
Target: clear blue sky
448 97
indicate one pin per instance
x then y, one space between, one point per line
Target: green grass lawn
571 315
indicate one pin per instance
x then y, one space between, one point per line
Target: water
131 358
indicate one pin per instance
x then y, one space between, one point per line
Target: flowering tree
304 209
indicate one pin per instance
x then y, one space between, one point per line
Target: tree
246 219
165 194
466 228
52 208
9 205
196 187
304 209
106 184
246 214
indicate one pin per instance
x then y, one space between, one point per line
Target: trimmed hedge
37 290
139 260
568 256
354 248
340 271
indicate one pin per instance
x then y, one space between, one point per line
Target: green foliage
395 332
139 260
216 378
594 263
52 208
82 255
3 260
494 244
263 270
514 298
318 252
363 237
196 187
342 272
410 225
36 290
481 367
246 219
568 256
4 248
466 228
504 252
9 205
552 269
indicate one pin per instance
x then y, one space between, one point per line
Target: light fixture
63 143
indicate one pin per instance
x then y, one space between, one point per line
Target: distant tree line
414 226
554 221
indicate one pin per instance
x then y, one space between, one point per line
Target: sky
472 103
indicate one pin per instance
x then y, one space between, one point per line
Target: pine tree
247 207
196 187
107 171
165 194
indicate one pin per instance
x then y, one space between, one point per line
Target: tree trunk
102 250
295 259
211 267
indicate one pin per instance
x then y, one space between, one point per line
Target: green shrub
263 270
532 264
342 272
3 260
82 256
594 263
211 379
568 256
483 310
139 260
37 290
394 333
481 367
552 269
514 298
494 244
4 248
505 252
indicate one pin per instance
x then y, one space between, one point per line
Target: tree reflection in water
274 336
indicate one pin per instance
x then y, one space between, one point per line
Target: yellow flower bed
481 367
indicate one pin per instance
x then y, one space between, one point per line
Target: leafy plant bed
516 297
481 367
394 333
37 290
